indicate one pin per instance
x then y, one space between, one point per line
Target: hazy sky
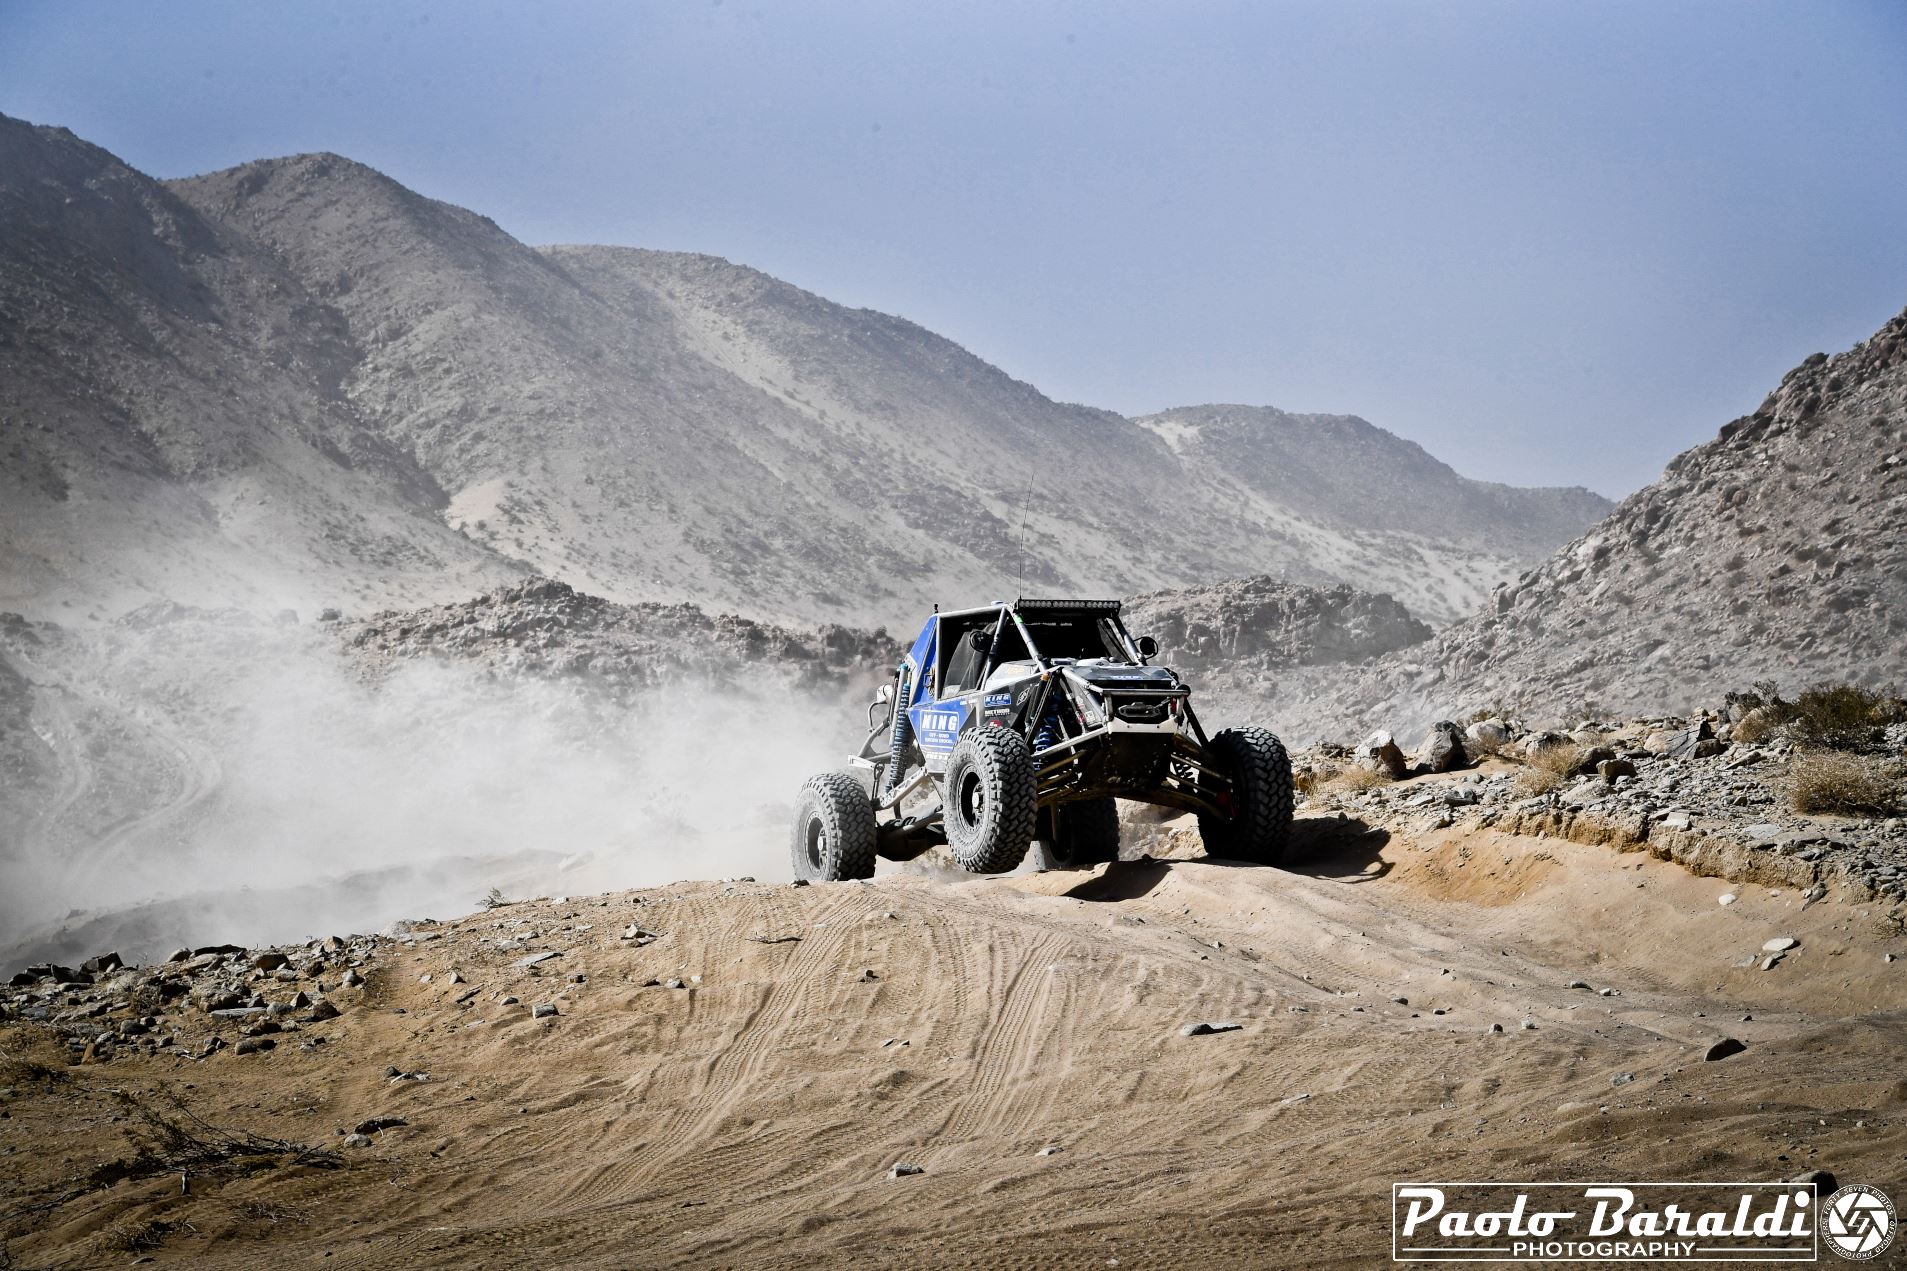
1553 242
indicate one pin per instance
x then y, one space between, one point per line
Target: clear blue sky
1553 242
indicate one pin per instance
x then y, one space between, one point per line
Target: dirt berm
1019 1040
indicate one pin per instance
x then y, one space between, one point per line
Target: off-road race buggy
1019 724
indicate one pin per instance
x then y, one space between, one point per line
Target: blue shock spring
1048 733
897 743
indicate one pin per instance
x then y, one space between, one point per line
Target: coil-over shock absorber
1048 733
903 732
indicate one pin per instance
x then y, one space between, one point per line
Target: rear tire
1085 834
1259 828
834 830
990 800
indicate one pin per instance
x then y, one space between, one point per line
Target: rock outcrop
1774 552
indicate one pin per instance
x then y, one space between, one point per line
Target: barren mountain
1342 470
1773 552
169 416
297 382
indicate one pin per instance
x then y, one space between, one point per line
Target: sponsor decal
999 699
938 727
1633 1222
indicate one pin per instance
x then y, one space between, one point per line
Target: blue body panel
920 662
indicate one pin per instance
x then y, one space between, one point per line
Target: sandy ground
751 1117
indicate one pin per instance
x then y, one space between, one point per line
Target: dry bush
1830 716
1541 779
1357 778
1840 716
1559 761
1853 785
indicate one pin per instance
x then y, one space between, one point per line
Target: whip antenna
1026 497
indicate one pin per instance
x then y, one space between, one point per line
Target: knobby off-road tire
990 791
1259 828
834 830
1085 834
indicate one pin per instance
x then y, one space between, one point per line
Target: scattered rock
1201 1029
253 1045
903 1169
373 1125
1780 944
1723 1049
543 1010
357 1140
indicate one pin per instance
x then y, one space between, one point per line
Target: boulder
1379 753
1442 749
1591 759
1610 769
1487 734
1548 739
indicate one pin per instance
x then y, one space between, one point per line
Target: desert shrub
1852 785
1358 778
1839 716
1560 760
1539 780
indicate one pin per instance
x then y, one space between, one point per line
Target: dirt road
1019 1039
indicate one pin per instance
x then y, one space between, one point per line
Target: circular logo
1858 1222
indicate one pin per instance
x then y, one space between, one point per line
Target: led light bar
1091 606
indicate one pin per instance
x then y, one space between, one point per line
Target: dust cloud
237 782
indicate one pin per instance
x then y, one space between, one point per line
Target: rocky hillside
1265 622
542 628
299 383
1342 470
1773 552
1244 642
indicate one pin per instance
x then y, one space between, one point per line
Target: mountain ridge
648 425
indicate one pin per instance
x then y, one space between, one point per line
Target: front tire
834 830
990 796
1259 828
1085 834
